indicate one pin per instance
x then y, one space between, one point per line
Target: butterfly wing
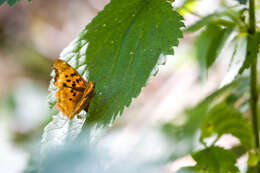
85 99
67 76
74 92
67 100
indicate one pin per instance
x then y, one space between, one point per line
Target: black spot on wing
73 74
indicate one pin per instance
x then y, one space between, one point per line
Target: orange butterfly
74 92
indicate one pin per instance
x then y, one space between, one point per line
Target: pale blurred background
31 38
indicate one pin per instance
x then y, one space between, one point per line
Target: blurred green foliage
224 119
242 1
196 118
213 160
11 2
210 43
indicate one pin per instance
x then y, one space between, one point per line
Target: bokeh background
31 38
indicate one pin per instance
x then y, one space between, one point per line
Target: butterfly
74 93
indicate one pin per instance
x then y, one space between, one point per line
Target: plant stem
254 99
253 75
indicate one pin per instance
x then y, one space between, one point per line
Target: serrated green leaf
215 160
224 119
210 43
118 51
252 50
125 41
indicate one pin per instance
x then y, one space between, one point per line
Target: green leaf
125 43
215 160
214 18
224 119
202 44
118 51
11 2
216 45
237 60
227 18
210 43
252 50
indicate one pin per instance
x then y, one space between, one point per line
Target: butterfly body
74 93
